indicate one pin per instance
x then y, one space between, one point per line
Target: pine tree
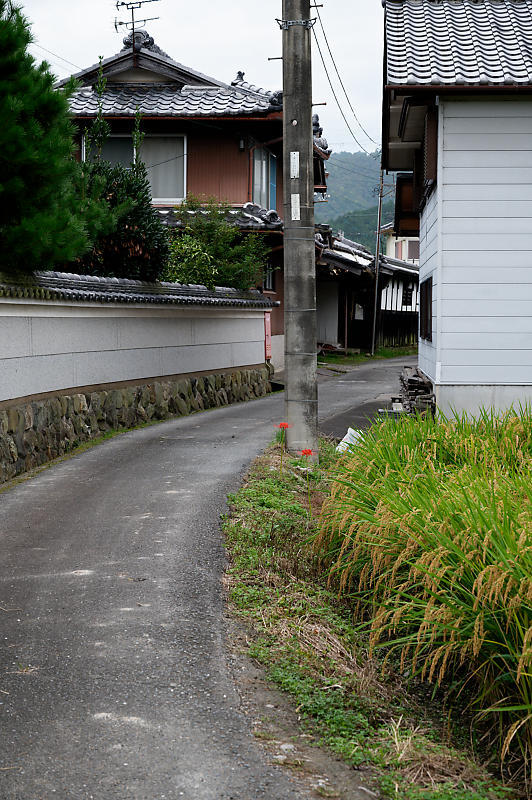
38 225
128 240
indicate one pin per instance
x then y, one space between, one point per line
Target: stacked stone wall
33 433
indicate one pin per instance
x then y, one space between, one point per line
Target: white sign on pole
294 164
296 207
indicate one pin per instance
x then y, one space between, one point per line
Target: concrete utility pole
377 267
301 388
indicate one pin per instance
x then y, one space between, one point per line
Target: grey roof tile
90 288
168 100
459 42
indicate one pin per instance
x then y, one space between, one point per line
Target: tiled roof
459 42
249 217
168 100
91 289
339 252
397 265
275 98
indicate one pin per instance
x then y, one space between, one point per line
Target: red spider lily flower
306 452
284 425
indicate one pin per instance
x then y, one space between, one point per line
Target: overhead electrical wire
352 171
361 213
340 79
336 96
55 55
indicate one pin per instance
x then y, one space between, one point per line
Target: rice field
428 531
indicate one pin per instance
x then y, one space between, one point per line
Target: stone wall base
33 433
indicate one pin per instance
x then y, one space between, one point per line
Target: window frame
173 200
425 309
267 189
268 282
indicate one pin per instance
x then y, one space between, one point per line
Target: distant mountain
352 183
360 225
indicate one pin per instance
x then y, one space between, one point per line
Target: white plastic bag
351 438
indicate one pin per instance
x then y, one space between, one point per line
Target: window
426 161
164 157
118 150
413 250
399 250
408 291
269 280
425 310
264 178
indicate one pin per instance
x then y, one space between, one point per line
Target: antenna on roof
130 25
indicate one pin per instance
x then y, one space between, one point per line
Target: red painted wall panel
217 168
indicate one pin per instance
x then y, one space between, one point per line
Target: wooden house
345 295
203 137
457 124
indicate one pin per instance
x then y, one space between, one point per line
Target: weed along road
115 680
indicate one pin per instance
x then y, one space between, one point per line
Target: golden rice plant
428 527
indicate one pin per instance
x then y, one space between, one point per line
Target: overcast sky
221 38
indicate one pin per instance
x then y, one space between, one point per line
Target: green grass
352 358
304 636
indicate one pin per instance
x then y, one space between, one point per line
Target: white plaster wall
47 346
327 312
277 359
392 295
486 247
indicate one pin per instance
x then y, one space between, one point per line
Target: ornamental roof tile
250 217
459 42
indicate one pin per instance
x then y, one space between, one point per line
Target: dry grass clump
429 528
427 764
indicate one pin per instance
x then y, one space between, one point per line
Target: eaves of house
448 47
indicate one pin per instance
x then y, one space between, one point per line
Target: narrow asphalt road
115 681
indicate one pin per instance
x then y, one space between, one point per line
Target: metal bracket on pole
284 24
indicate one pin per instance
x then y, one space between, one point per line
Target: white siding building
404 248
458 115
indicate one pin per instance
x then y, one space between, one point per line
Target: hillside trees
360 225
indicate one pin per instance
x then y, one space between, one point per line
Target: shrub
38 227
428 529
208 249
129 241
189 262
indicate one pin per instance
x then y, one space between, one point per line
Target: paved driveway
114 676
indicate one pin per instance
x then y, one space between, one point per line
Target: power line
364 212
340 79
352 171
336 96
55 55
